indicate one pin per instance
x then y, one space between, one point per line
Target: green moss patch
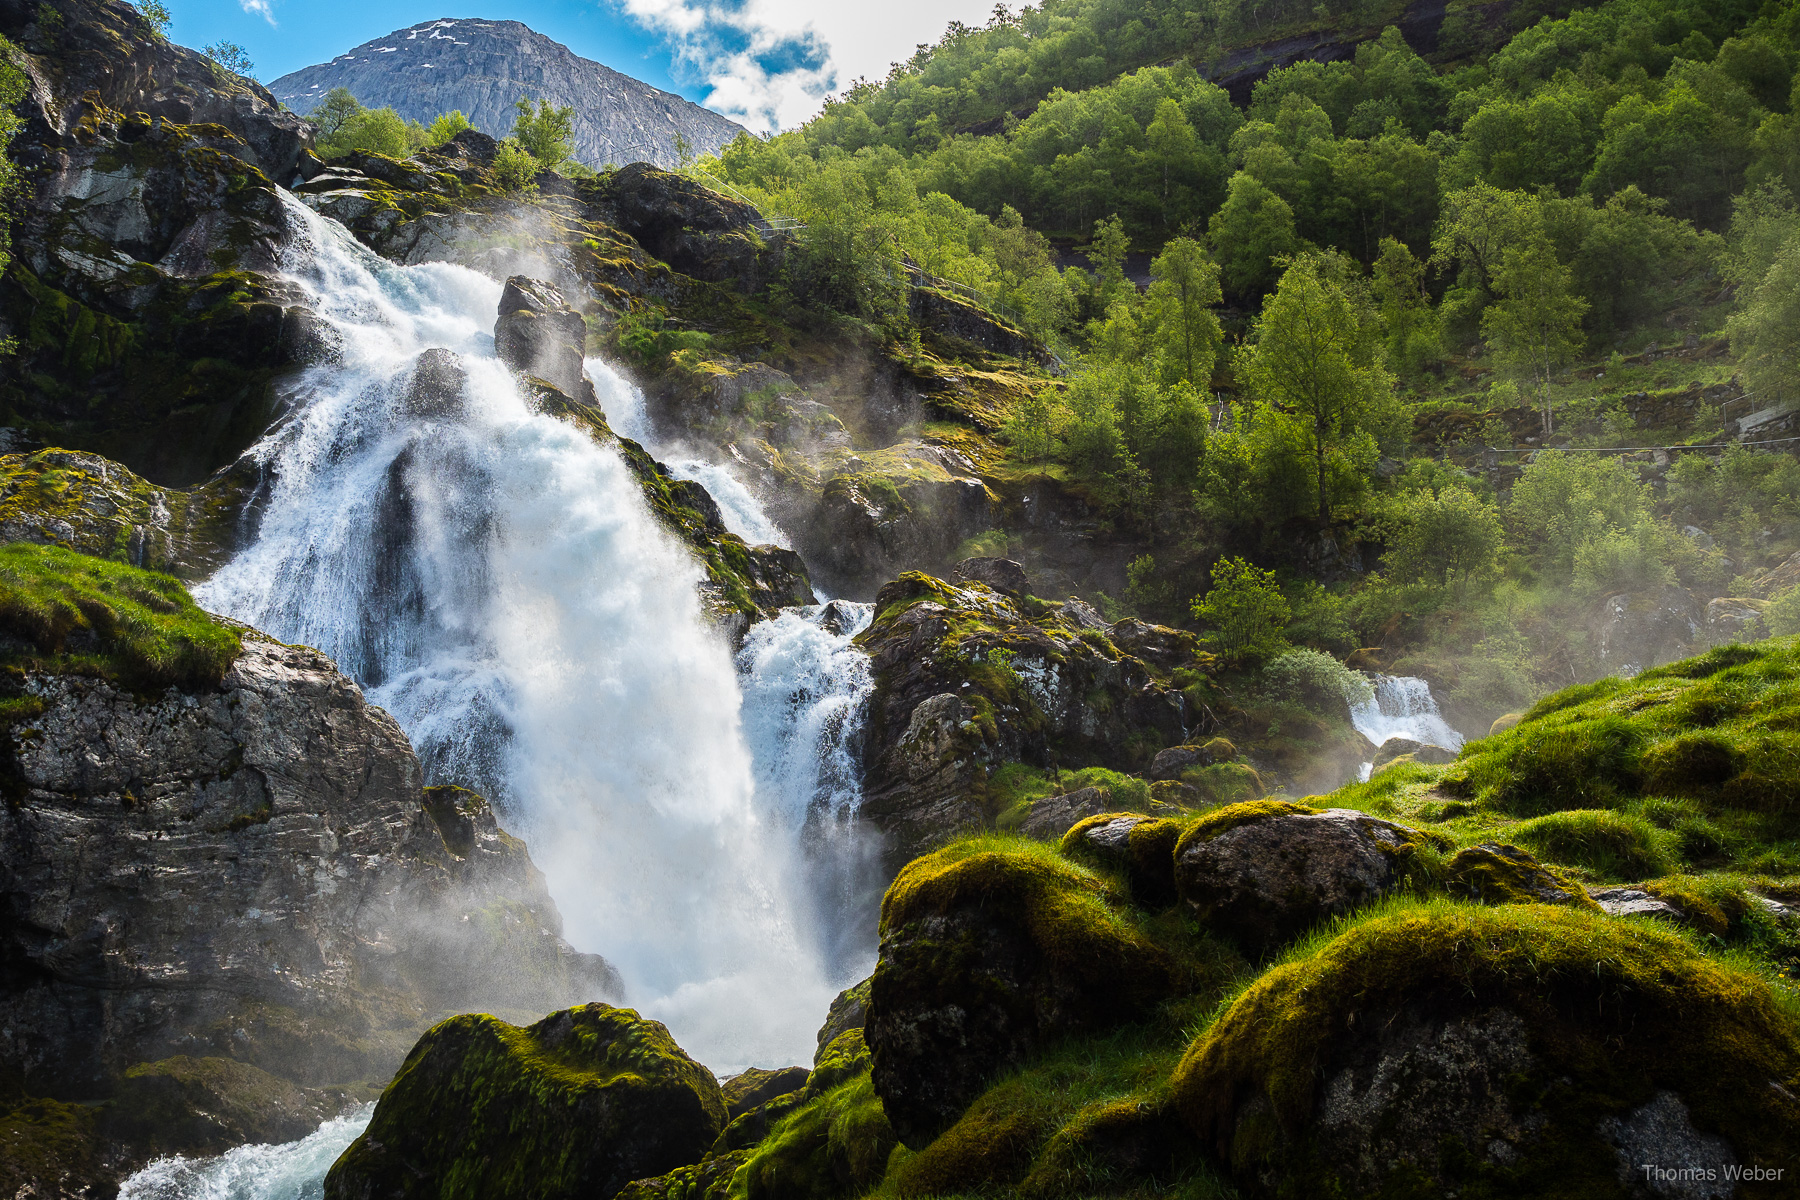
68 612
578 1104
835 1145
1614 1012
1613 845
1212 824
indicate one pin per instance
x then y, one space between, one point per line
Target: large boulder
1266 871
986 957
577 1105
967 679
541 334
1631 632
1516 1050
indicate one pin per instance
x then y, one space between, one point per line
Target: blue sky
768 63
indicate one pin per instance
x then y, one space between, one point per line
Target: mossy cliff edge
1173 1005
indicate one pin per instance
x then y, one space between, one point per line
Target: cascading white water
495 580
742 512
293 1171
1402 706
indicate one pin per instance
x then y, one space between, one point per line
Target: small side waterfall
494 579
1402 706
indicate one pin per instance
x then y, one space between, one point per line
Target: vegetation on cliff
68 612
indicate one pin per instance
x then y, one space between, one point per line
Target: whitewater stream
1403 707
495 580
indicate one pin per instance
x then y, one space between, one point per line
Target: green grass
64 611
1613 845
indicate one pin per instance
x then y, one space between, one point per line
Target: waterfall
742 511
1402 706
294 1171
495 580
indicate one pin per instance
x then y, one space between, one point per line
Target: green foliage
1783 614
446 127
645 337
230 56
156 13
544 131
13 85
328 116
69 612
1315 681
514 168
1246 609
1446 538
1586 518
1314 361
1535 326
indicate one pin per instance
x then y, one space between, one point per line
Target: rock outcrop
1266 871
539 334
987 957
1531 1049
254 874
969 678
576 1105
144 261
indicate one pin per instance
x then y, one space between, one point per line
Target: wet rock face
1633 632
249 873
967 680
577 1105
540 334
1276 875
703 234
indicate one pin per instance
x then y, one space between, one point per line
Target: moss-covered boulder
208 1105
991 949
756 1086
1519 1050
1496 873
577 1105
1265 871
1140 848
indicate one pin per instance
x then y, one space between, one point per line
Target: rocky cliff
483 67
250 873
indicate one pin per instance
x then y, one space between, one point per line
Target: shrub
515 168
1246 608
1316 681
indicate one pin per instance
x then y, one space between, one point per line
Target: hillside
482 67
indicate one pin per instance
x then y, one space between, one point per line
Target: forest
1365 341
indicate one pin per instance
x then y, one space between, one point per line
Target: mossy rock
1495 873
990 949
1517 1050
1140 848
837 1144
1722 729
48 1148
844 1058
577 1105
747 1090
848 1011
67 612
1505 722
1264 872
185 1105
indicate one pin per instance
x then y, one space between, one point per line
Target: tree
446 127
231 56
1312 360
1183 291
1031 426
1765 264
337 107
1107 253
545 132
157 14
1398 281
1247 610
1446 538
1252 229
1536 325
514 167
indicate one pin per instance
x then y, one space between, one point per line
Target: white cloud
259 8
771 63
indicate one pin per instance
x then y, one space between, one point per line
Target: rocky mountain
483 67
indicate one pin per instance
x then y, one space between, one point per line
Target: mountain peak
482 67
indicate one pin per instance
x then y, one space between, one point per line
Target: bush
1317 682
1783 614
515 168
1247 610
